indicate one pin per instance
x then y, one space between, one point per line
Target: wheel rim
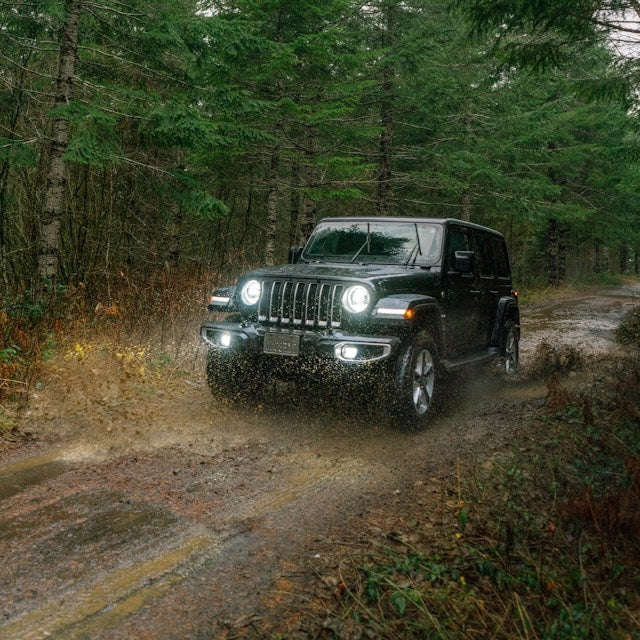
423 381
511 352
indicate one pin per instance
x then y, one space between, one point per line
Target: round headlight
356 299
250 293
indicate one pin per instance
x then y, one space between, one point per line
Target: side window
484 258
501 258
458 241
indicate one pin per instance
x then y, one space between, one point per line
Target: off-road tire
417 382
510 348
233 377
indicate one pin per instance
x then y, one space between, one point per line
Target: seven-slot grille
301 304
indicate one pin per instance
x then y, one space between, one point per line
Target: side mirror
464 261
294 254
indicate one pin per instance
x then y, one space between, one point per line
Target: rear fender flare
507 310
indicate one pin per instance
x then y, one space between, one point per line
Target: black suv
400 299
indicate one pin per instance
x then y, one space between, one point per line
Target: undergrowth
164 313
543 543
537 291
628 333
160 321
25 336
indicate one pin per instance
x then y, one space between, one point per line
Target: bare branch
26 69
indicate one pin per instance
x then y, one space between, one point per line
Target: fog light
225 340
349 352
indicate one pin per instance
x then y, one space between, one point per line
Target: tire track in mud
251 505
102 603
171 542
146 550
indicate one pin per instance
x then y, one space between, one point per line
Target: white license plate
281 344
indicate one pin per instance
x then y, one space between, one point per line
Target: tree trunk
624 257
601 258
4 263
308 211
272 209
17 93
294 217
54 201
563 233
174 230
466 207
556 251
387 89
383 193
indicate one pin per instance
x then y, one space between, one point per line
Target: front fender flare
426 313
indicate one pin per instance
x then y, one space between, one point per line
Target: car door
461 296
489 294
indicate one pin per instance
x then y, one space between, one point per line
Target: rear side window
484 254
501 258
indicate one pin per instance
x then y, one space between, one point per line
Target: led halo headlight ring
356 299
250 293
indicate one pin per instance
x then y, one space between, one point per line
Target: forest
154 145
151 150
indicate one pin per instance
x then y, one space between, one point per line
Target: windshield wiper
366 243
416 248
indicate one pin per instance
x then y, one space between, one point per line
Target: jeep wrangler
404 299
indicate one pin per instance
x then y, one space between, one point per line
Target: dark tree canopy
183 139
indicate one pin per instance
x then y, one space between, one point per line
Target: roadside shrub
628 332
555 358
16 347
28 330
541 543
160 315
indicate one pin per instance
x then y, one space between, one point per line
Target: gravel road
142 508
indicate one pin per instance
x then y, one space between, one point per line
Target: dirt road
142 509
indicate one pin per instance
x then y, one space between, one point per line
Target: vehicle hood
379 276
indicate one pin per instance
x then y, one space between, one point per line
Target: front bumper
329 345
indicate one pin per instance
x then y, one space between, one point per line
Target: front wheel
234 377
416 384
220 374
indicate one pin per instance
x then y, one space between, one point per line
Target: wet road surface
213 518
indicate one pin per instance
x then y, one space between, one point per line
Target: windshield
370 241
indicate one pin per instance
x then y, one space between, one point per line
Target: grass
543 543
536 292
146 336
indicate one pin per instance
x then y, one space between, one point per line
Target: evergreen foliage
207 136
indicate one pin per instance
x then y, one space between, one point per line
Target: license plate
282 344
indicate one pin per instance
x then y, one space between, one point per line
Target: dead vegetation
550 359
539 543
628 333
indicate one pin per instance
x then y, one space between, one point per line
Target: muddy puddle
587 323
18 477
183 518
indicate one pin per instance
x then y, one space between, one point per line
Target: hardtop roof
442 221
